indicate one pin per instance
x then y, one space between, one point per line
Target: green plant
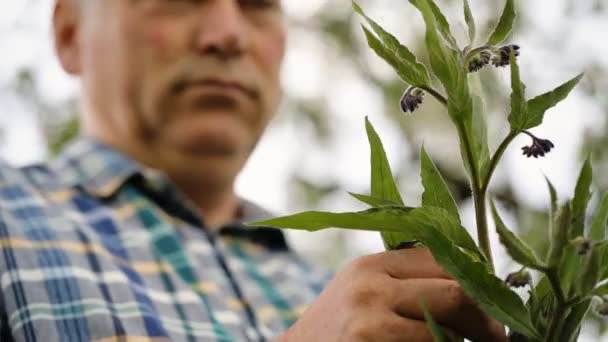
571 274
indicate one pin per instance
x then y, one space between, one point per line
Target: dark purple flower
583 245
479 61
539 147
502 56
519 279
411 99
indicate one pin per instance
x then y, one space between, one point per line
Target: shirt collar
95 167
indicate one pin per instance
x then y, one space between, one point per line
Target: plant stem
482 225
553 333
496 159
555 326
479 197
435 94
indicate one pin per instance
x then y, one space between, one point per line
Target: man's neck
216 206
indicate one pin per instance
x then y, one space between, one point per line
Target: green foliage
574 267
517 249
489 291
600 220
468 17
436 192
436 331
505 24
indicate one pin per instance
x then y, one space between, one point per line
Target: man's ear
66 31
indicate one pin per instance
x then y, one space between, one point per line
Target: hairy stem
435 94
496 159
559 315
479 197
482 226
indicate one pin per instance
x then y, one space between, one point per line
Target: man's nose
222 29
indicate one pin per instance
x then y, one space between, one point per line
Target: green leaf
505 24
601 290
572 324
582 195
553 197
600 220
468 17
490 292
403 220
382 181
537 106
518 117
443 25
476 127
393 52
436 192
590 273
374 201
516 247
447 64
559 238
434 328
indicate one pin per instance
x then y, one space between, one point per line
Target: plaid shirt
93 248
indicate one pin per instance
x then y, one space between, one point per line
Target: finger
411 263
394 328
448 304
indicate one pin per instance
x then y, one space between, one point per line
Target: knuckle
367 262
362 294
456 299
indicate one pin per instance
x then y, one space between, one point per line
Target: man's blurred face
195 82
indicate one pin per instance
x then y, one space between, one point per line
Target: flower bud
411 99
539 147
480 60
602 309
502 55
583 245
519 279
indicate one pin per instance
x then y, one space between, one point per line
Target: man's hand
377 298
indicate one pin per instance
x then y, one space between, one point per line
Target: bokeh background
316 149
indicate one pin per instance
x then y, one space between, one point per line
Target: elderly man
133 233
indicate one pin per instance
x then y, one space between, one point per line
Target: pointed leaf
383 183
590 273
505 24
552 196
600 220
476 126
402 220
468 17
404 69
434 328
559 238
537 106
443 25
582 195
573 322
374 201
447 64
516 247
490 292
392 51
518 117
436 192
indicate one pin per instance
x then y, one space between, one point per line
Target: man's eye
260 3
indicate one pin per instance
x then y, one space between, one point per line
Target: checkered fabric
93 247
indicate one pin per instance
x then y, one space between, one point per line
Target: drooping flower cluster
539 147
499 57
479 61
519 279
502 56
411 99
